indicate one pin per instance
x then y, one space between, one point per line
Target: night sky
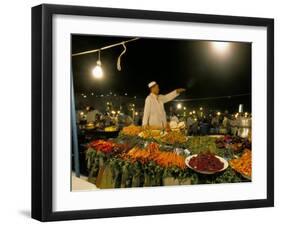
190 64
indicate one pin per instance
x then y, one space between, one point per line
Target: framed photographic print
147 112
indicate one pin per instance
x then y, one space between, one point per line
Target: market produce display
136 167
90 125
133 161
110 129
153 153
174 137
105 146
152 134
207 163
131 130
243 164
169 137
235 143
176 126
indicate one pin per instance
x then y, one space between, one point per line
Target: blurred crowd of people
195 124
214 123
101 120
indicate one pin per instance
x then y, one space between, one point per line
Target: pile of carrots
153 153
243 164
169 159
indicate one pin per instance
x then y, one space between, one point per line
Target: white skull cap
153 83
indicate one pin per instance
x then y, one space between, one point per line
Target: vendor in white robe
154 114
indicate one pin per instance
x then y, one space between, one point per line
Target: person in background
79 114
204 126
226 124
107 120
189 123
194 128
233 126
91 115
215 123
174 118
139 121
99 123
154 113
128 120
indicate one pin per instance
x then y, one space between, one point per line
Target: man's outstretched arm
170 96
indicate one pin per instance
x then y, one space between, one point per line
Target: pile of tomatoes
102 145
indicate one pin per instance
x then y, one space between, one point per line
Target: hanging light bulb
97 71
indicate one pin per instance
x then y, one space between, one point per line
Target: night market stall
149 112
116 153
140 157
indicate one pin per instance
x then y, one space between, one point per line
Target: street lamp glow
179 106
97 71
220 47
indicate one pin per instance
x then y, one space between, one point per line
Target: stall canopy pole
74 131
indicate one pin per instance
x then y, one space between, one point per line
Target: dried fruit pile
206 162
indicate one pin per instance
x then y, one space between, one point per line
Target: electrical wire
104 47
212 98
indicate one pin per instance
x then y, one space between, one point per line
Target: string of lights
176 100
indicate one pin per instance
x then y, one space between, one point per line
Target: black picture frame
42 111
